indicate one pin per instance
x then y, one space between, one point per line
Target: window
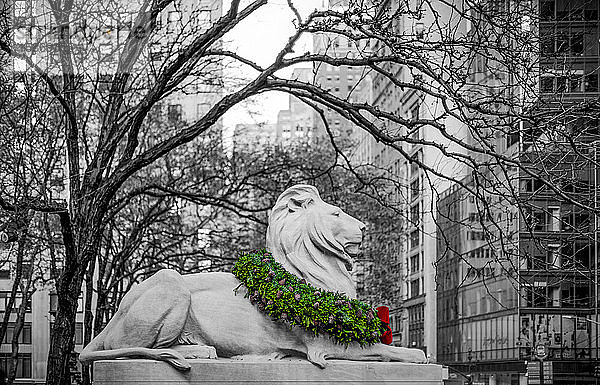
554 213
415 189
414 111
104 82
578 253
547 84
24 337
547 43
576 83
174 113
201 19
414 263
23 364
156 52
415 215
173 18
590 11
475 235
561 83
416 316
202 109
539 221
414 239
591 83
78 333
577 44
414 288
21 10
5 298
554 257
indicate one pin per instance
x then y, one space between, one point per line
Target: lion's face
313 239
346 230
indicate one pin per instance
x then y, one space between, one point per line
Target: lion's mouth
353 250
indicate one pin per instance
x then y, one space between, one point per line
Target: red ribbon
383 312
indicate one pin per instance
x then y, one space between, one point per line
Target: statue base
287 371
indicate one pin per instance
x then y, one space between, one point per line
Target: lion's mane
304 244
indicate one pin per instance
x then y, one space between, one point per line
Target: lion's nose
362 226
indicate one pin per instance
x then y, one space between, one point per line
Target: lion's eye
336 213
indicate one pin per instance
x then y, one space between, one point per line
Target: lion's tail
94 351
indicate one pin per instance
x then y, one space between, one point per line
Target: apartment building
544 304
297 122
415 313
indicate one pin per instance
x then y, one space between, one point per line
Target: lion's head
313 239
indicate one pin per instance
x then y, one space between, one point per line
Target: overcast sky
260 37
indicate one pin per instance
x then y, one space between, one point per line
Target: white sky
260 37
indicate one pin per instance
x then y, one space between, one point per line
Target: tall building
494 319
297 122
415 313
342 81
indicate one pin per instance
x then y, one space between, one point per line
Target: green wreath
287 298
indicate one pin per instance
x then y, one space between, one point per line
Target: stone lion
171 317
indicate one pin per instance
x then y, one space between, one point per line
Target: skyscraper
508 302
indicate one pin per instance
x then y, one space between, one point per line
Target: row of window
573 83
23 364
553 219
416 319
566 255
565 295
567 185
569 11
563 44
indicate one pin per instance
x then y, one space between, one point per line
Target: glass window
547 84
78 333
24 337
414 239
174 113
591 83
577 44
415 215
415 189
23 364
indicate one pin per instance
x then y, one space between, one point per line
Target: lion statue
173 317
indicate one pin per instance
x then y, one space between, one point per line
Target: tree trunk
63 331
88 320
80 250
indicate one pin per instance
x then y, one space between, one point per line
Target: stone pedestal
229 372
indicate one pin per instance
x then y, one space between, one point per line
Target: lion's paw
196 351
317 357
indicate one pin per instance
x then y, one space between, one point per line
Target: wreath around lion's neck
289 299
329 274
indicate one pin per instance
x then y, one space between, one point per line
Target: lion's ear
295 204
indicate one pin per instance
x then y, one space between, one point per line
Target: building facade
547 298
